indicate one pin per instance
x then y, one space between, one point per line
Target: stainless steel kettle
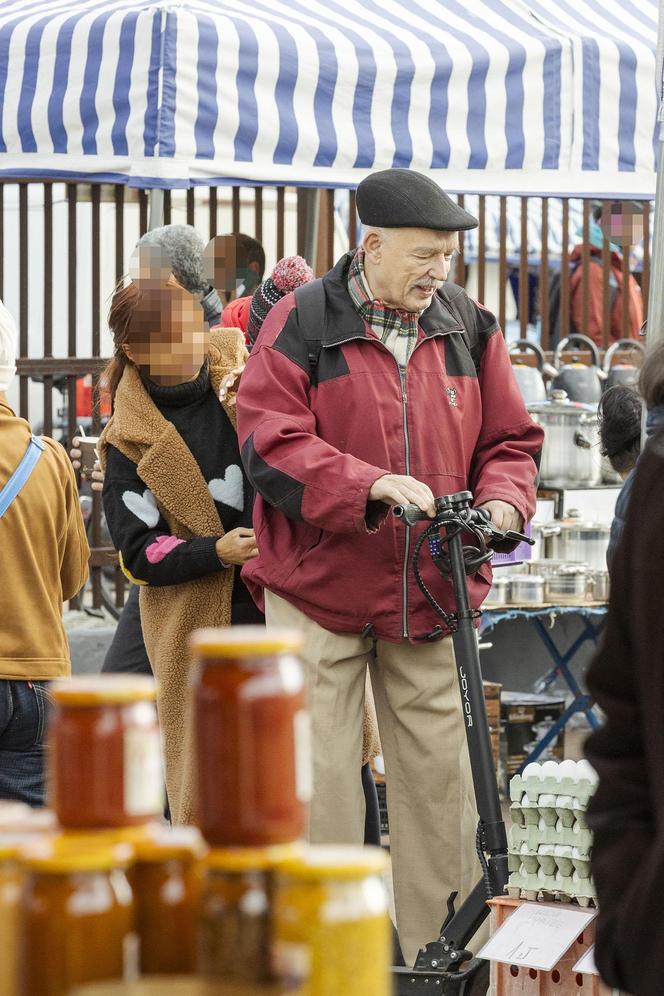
579 382
622 373
530 380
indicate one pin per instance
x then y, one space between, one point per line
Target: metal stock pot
570 456
574 540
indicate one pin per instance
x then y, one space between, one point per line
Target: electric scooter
445 967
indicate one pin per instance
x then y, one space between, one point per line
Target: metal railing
64 247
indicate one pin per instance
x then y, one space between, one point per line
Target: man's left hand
504 516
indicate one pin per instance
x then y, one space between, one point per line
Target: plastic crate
512 980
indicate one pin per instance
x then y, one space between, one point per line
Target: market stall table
592 614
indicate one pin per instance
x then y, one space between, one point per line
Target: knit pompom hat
289 273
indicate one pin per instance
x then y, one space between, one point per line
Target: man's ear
373 246
126 349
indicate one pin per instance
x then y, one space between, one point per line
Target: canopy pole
156 215
656 295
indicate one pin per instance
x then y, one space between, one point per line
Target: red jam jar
253 753
104 758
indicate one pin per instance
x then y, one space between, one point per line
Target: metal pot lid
572 521
559 404
500 583
570 570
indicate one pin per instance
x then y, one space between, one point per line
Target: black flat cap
403 198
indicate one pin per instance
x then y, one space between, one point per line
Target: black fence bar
524 295
544 276
502 265
237 191
281 221
258 214
72 246
2 241
95 295
48 304
625 296
481 250
167 207
143 205
645 275
585 270
212 213
23 294
352 220
606 287
460 268
564 273
191 207
119 233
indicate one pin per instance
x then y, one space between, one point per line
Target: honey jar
252 736
237 916
331 926
167 877
10 891
104 758
76 916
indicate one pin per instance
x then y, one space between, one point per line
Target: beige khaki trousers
429 789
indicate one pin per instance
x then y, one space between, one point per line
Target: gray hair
184 248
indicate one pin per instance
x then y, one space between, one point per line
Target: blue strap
20 476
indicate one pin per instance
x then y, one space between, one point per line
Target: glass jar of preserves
104 758
76 916
166 878
236 914
182 985
10 890
331 926
252 736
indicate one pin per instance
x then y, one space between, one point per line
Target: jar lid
558 403
244 641
71 852
17 817
11 845
103 689
330 862
247 859
166 844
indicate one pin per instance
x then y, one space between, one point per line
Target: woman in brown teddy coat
175 495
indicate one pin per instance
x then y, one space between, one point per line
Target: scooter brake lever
515 537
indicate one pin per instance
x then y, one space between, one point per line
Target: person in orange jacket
621 236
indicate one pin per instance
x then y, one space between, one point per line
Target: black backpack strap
310 305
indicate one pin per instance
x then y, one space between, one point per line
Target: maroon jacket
315 439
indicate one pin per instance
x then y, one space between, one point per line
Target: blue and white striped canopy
493 96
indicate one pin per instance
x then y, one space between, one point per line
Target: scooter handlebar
409 513
412 514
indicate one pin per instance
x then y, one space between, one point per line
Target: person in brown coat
627 680
176 500
43 562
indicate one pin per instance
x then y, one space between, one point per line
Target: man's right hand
396 489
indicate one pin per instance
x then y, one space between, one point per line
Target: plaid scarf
398 330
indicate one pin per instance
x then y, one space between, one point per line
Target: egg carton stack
550 842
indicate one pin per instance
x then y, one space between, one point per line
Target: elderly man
383 384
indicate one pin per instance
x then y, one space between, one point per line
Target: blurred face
168 336
622 224
406 266
226 268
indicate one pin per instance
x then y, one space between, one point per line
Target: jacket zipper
406 559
